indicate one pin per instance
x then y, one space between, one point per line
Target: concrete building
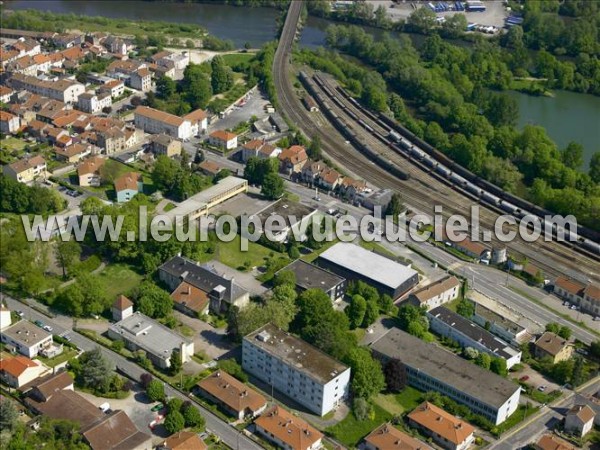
154 121
122 308
92 103
223 140
26 170
128 186
198 120
64 90
446 430
436 293
586 296
429 367
26 338
141 80
17 371
499 325
5 318
579 420
9 123
140 332
203 202
115 88
387 436
287 431
451 325
549 345
283 219
165 145
356 263
309 276
296 368
233 396
206 286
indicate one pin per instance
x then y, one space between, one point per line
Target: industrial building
309 276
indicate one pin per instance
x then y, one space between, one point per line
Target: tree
395 207
222 76
483 360
455 25
367 376
553 327
314 149
395 375
176 362
361 408
580 371
465 308
190 44
165 87
155 390
422 20
595 349
285 277
107 109
232 367
572 155
272 187
193 418
9 415
174 422
498 366
96 370
470 353
153 301
67 253
371 313
196 86
595 168
199 157
356 311
145 380
565 332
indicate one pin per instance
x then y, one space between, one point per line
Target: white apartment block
92 103
9 123
296 368
64 90
154 121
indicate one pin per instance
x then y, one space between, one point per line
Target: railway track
422 192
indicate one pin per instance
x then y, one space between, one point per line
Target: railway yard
369 148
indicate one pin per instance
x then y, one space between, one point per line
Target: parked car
20 313
542 388
524 378
39 323
48 328
157 407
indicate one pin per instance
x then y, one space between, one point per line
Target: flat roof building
296 368
432 368
202 203
294 216
499 325
28 339
140 332
451 325
309 276
353 262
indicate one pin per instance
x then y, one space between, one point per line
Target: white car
48 328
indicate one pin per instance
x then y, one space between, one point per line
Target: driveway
207 339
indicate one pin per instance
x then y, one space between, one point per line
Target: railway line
422 191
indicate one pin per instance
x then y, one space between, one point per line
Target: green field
13 144
233 59
118 279
351 430
229 253
67 354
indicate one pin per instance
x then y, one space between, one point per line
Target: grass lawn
518 416
14 144
233 59
169 206
229 253
351 430
67 354
118 279
396 404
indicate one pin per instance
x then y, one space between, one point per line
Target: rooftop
366 263
26 333
223 135
292 430
159 116
113 432
68 405
296 353
184 440
473 331
149 334
551 343
49 384
495 318
446 367
128 181
442 423
572 286
291 212
16 365
553 442
436 288
122 303
232 392
27 163
389 437
309 276
583 413
190 296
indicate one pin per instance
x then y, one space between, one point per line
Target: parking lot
254 106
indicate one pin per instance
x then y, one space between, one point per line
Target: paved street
229 435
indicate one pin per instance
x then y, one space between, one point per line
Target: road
61 324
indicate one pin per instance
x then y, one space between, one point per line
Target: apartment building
451 325
165 145
66 91
223 139
141 80
436 293
296 368
9 123
258 148
429 367
198 120
26 170
91 103
115 88
154 121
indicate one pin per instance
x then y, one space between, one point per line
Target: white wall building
66 91
154 121
296 368
437 293
92 103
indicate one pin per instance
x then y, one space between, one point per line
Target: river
567 117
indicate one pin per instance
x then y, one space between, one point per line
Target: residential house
190 299
163 144
65 91
122 308
178 61
436 293
350 188
591 300
9 123
112 140
115 431
67 40
586 296
198 121
579 420
16 371
5 94
26 170
552 442
154 121
287 431
251 149
116 45
72 153
122 69
183 440
27 46
233 396
311 170
128 186
88 171
115 88
387 436
43 62
209 168
223 140
446 430
549 345
42 389
328 179
293 159
8 56
27 339
221 291
93 103
24 65
141 80
470 248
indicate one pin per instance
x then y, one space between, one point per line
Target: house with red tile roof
128 186
292 159
287 430
16 371
446 430
223 140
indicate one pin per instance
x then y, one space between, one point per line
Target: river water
567 117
